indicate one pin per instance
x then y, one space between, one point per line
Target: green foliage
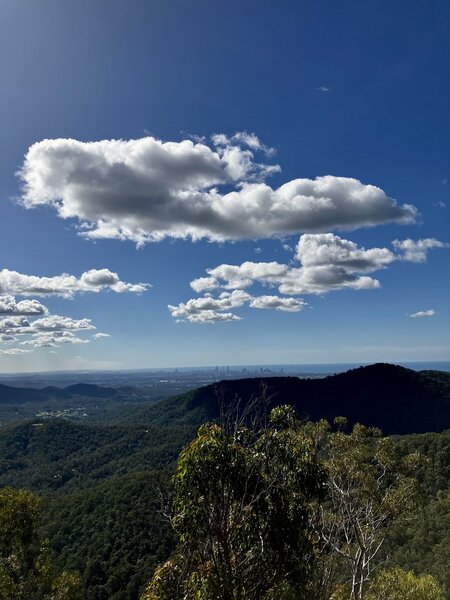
396 584
67 586
26 571
101 511
114 533
369 486
241 514
62 456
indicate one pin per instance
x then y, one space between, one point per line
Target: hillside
396 399
101 483
60 455
77 401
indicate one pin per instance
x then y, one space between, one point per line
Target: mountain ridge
396 399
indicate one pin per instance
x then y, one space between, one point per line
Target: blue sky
334 121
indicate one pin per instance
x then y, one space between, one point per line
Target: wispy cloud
13 351
423 313
324 89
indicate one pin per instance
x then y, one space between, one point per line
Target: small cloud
445 181
423 313
13 352
439 204
65 285
258 250
416 250
323 89
287 248
278 303
100 335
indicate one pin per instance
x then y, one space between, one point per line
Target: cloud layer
95 280
146 189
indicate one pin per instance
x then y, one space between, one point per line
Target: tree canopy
26 570
241 512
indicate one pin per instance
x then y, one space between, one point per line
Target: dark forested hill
19 395
81 401
396 399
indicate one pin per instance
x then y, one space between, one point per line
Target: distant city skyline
200 184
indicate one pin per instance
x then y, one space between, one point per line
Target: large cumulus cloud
146 189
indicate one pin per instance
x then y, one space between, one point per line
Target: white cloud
322 88
48 331
95 280
416 251
244 275
278 303
145 190
328 249
328 263
53 339
7 337
9 306
242 137
208 309
100 335
203 284
423 313
58 323
323 279
13 351
13 325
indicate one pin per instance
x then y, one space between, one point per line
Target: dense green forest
102 486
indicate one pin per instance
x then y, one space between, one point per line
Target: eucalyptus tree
369 486
242 514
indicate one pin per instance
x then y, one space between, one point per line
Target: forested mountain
59 454
18 395
397 400
79 401
102 483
